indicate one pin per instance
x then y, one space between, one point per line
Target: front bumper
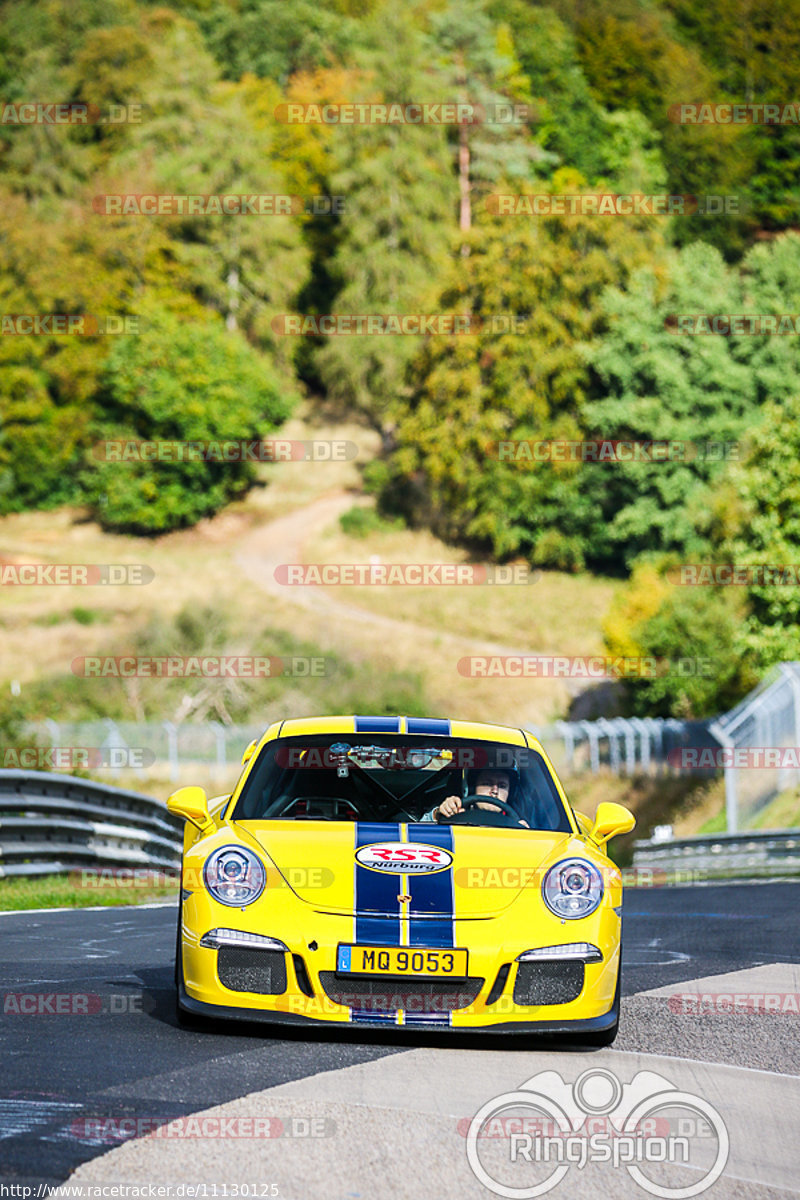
499 996
274 1016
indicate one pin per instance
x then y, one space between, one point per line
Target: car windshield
391 778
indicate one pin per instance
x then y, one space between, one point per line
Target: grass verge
75 891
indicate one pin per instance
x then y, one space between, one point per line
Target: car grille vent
244 970
496 989
548 982
300 970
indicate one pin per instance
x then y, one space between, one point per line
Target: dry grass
555 613
42 633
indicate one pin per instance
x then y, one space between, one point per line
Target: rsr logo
404 857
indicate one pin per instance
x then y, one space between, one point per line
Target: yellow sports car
400 871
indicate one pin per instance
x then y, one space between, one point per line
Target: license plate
415 963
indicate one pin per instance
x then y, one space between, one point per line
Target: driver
490 782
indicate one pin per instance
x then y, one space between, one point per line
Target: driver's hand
449 807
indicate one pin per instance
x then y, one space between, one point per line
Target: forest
573 224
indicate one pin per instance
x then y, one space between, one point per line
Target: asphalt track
373 1114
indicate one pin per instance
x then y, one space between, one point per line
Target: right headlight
234 876
572 888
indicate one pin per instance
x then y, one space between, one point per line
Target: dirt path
406 642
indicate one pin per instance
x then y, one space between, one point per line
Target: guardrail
52 824
774 853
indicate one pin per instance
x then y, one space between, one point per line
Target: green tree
400 210
271 39
179 381
652 383
698 665
477 64
511 382
570 123
766 534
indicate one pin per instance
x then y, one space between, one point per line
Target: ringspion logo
525 1142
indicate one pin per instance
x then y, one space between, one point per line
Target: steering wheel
472 802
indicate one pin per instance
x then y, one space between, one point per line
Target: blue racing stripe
367 1016
432 1018
376 892
432 893
377 724
428 725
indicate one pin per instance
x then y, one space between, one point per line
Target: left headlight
234 876
572 888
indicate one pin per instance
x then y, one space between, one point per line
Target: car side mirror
611 820
248 754
191 803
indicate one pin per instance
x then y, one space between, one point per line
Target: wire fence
131 749
760 745
756 744
624 745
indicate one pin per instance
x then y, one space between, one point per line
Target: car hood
461 871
